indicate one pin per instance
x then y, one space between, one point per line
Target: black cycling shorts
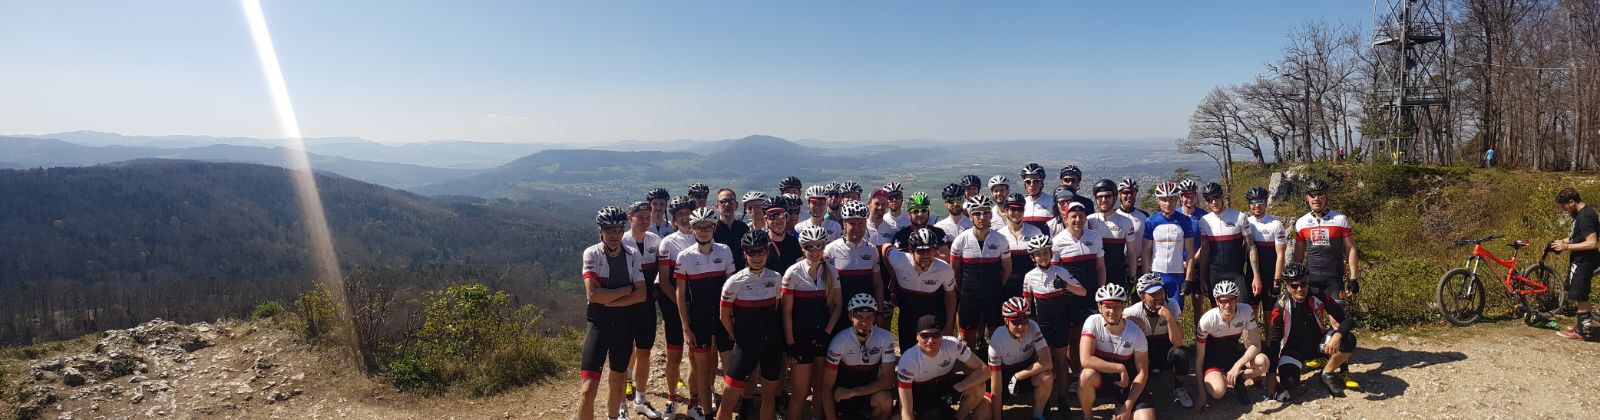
644 325
609 339
809 344
760 344
1579 278
671 322
1108 390
708 331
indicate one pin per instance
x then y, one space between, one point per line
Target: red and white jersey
917 366
1115 229
662 228
1152 319
1070 250
1226 233
1117 348
939 275
882 233
1325 241
673 244
953 226
1040 283
1267 231
800 281
694 266
597 270
893 224
1213 328
1018 241
1006 351
746 289
967 249
832 227
858 259
1037 209
850 353
649 252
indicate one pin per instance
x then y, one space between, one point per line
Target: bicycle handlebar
1463 242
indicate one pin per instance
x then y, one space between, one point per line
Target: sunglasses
921 251
703 227
916 211
755 252
982 213
1103 195
1316 194
928 335
814 247
1032 181
1017 320
612 229
896 196
1295 285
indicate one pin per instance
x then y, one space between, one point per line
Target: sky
584 72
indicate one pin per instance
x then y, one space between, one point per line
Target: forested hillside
93 248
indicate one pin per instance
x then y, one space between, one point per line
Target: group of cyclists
1049 299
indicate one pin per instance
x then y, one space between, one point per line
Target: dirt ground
1503 370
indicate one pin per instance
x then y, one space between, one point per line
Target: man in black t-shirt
1585 258
730 228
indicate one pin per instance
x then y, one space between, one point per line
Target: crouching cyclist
1303 327
1228 346
937 372
1019 360
1116 359
1158 315
860 368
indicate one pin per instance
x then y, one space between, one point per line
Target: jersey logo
928 282
716 260
1238 324
1127 345
993 247
866 257
770 284
904 375
1320 236
650 251
945 363
874 351
1088 243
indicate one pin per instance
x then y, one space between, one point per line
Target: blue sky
600 71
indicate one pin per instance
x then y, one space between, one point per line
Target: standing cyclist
1584 258
614 288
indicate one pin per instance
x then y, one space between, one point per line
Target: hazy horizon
801 140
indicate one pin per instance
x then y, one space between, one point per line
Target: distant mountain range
457 154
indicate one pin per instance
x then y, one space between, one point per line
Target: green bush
268 310
317 311
474 340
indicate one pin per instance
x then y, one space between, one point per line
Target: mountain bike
1537 290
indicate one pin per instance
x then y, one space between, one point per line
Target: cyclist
1228 346
796 207
1223 233
1304 327
1270 239
699 193
789 185
955 200
1115 357
659 199
755 207
1071 179
615 289
936 372
729 228
849 191
858 381
1016 234
1128 200
1079 251
647 245
1064 198
1584 259
1052 292
1167 241
1036 211
749 312
785 246
817 206
835 198
855 257
1324 241
667 257
1158 316
1190 199
877 211
920 217
999 189
926 286
971 186
895 219
703 269
982 263
1019 360
811 306
1115 231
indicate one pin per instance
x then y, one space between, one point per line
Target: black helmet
792 202
1128 184
1315 185
789 182
970 181
833 189
1105 185
699 190
682 202
849 187
1015 200
1188 186
1071 171
1032 169
1294 272
1211 191
953 193
657 194
754 239
1256 195
610 216
922 238
779 201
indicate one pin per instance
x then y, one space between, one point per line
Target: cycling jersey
881 234
832 227
1222 338
918 293
1036 211
648 248
895 223
1056 310
857 361
902 239
1167 235
1010 353
610 335
1226 232
810 312
662 228
917 367
753 298
671 245
953 226
1115 348
1117 232
1021 262
1267 233
1157 325
980 277
704 276
598 268
1296 329
856 263
1078 256
748 292
1325 238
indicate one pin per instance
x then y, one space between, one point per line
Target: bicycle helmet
1256 195
788 182
813 233
850 187
1071 171
1015 200
853 210
682 202
792 202
1032 169
1076 207
1211 191
816 191
754 196
970 181
893 188
703 215
1150 283
778 202
1038 243
1294 271
953 193
1111 291
1016 307
922 238
1063 194
999 180
833 189
862 301
657 194
1188 186
1105 185
1166 190
1225 288
610 216
754 239
918 201
699 190
979 201
1315 185
1128 184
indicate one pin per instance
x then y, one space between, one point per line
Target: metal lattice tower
1413 81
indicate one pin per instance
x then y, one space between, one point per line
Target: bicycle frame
1479 253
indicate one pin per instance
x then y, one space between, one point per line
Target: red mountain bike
1537 290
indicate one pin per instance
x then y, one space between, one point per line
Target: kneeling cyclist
937 372
1019 360
1158 315
1228 347
860 370
1115 357
1301 328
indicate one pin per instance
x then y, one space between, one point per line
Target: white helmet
853 210
1148 281
813 233
998 180
978 202
1111 291
862 301
1226 288
703 214
754 196
1038 243
816 191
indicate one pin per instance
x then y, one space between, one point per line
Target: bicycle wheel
1547 303
1460 297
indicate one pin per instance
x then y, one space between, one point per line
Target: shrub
267 310
474 340
317 311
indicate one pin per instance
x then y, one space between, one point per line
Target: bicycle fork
1470 283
